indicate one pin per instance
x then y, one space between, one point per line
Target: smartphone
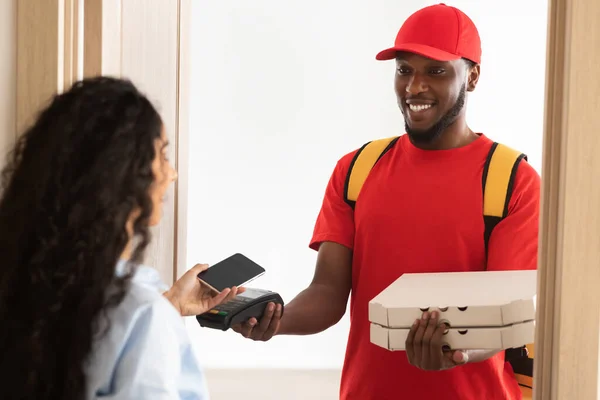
236 270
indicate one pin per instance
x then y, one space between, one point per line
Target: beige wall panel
39 52
149 57
8 75
92 31
71 14
569 301
102 37
139 40
183 118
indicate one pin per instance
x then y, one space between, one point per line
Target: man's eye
436 71
402 70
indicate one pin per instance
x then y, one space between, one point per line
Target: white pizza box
499 338
463 299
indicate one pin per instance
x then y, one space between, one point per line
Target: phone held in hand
236 270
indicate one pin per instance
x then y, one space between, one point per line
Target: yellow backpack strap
498 179
498 182
361 165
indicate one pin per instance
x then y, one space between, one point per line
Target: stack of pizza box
488 310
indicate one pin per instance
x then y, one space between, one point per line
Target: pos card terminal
251 303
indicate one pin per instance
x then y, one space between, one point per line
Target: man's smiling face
431 94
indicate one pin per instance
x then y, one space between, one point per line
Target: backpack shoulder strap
498 179
361 165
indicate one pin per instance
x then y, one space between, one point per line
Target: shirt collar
144 275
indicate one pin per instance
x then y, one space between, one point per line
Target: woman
81 317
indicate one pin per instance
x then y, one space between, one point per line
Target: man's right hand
263 330
305 314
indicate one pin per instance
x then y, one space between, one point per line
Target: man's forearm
313 310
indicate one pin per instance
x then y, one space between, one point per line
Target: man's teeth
419 107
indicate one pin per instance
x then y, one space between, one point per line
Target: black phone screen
236 270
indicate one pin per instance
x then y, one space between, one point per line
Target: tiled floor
276 384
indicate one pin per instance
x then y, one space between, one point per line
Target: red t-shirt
421 211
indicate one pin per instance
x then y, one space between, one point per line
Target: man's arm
318 307
323 303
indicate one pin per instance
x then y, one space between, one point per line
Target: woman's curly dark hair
70 185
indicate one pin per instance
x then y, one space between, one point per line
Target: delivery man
419 210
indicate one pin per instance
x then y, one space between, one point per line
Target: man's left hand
426 349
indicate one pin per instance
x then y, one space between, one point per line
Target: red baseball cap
440 32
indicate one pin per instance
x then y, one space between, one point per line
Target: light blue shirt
146 353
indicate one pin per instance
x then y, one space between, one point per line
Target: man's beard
418 136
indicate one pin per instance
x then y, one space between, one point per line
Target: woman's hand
191 297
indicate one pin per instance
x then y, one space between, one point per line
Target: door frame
568 306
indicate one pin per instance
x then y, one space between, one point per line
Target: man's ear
473 77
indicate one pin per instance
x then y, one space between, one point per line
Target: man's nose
416 85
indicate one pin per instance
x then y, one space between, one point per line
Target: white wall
280 90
